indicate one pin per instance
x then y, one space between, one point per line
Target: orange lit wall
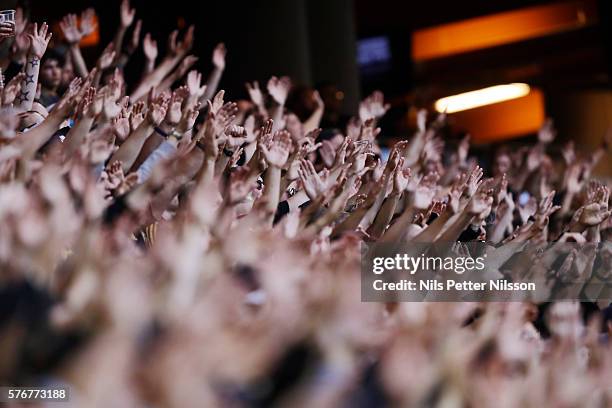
504 120
501 28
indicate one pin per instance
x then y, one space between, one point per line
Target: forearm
155 77
313 121
566 206
212 84
206 172
129 150
414 149
276 114
148 68
118 40
397 230
351 222
457 226
497 233
330 215
167 82
384 216
272 181
148 148
76 136
368 219
34 139
430 232
249 151
79 63
25 98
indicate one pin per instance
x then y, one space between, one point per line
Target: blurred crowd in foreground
161 246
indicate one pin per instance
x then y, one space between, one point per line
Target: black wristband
161 132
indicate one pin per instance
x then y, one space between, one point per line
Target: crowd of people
161 246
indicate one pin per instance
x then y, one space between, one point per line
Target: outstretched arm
39 39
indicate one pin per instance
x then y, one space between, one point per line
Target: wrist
32 57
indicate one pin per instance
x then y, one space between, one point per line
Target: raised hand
13 88
121 124
107 57
92 103
595 210
373 107
425 192
535 157
185 65
174 111
149 47
137 116
88 24
314 185
255 94
569 153
328 154
547 132
401 177
480 205
235 136
194 79
135 40
70 29
126 13
224 118
276 149
369 131
574 178
111 108
39 39
189 118
157 109
217 102
181 47
545 209
278 88
474 180
218 56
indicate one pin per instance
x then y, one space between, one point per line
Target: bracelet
176 134
161 132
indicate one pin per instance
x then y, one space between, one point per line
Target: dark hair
53 54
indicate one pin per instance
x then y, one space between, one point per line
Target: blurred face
51 74
332 98
502 164
67 75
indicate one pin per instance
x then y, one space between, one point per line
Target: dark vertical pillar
279 40
333 41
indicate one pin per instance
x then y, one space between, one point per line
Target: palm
218 58
255 93
39 40
150 47
279 89
70 30
127 14
422 197
121 127
174 113
276 152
